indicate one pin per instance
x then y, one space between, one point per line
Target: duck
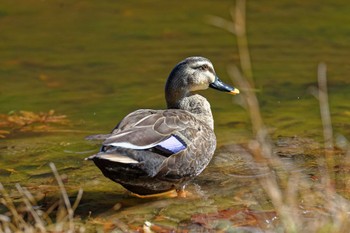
156 151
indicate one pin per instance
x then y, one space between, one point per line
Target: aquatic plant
27 121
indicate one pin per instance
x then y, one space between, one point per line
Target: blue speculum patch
171 145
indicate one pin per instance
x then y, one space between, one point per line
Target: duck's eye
203 67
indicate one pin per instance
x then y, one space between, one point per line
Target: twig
78 199
249 97
26 199
222 23
326 121
324 106
7 201
239 19
64 196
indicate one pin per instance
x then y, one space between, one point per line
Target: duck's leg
169 194
181 192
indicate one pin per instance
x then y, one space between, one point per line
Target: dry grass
26 215
301 205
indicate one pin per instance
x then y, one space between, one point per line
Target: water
96 61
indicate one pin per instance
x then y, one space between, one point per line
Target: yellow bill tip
234 91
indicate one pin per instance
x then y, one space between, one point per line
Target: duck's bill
221 86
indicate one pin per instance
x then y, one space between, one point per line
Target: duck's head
193 74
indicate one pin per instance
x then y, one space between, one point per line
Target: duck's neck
195 104
174 96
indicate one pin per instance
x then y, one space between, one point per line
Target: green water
95 61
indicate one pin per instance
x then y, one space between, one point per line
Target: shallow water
96 61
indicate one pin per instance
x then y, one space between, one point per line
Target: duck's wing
170 144
97 137
146 129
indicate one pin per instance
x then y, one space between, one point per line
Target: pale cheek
200 86
200 81
211 78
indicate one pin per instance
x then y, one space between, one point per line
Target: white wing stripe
143 119
119 135
117 158
131 146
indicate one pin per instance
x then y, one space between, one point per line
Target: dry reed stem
324 106
326 123
16 223
239 19
64 194
7 201
286 188
261 149
251 102
238 28
39 224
